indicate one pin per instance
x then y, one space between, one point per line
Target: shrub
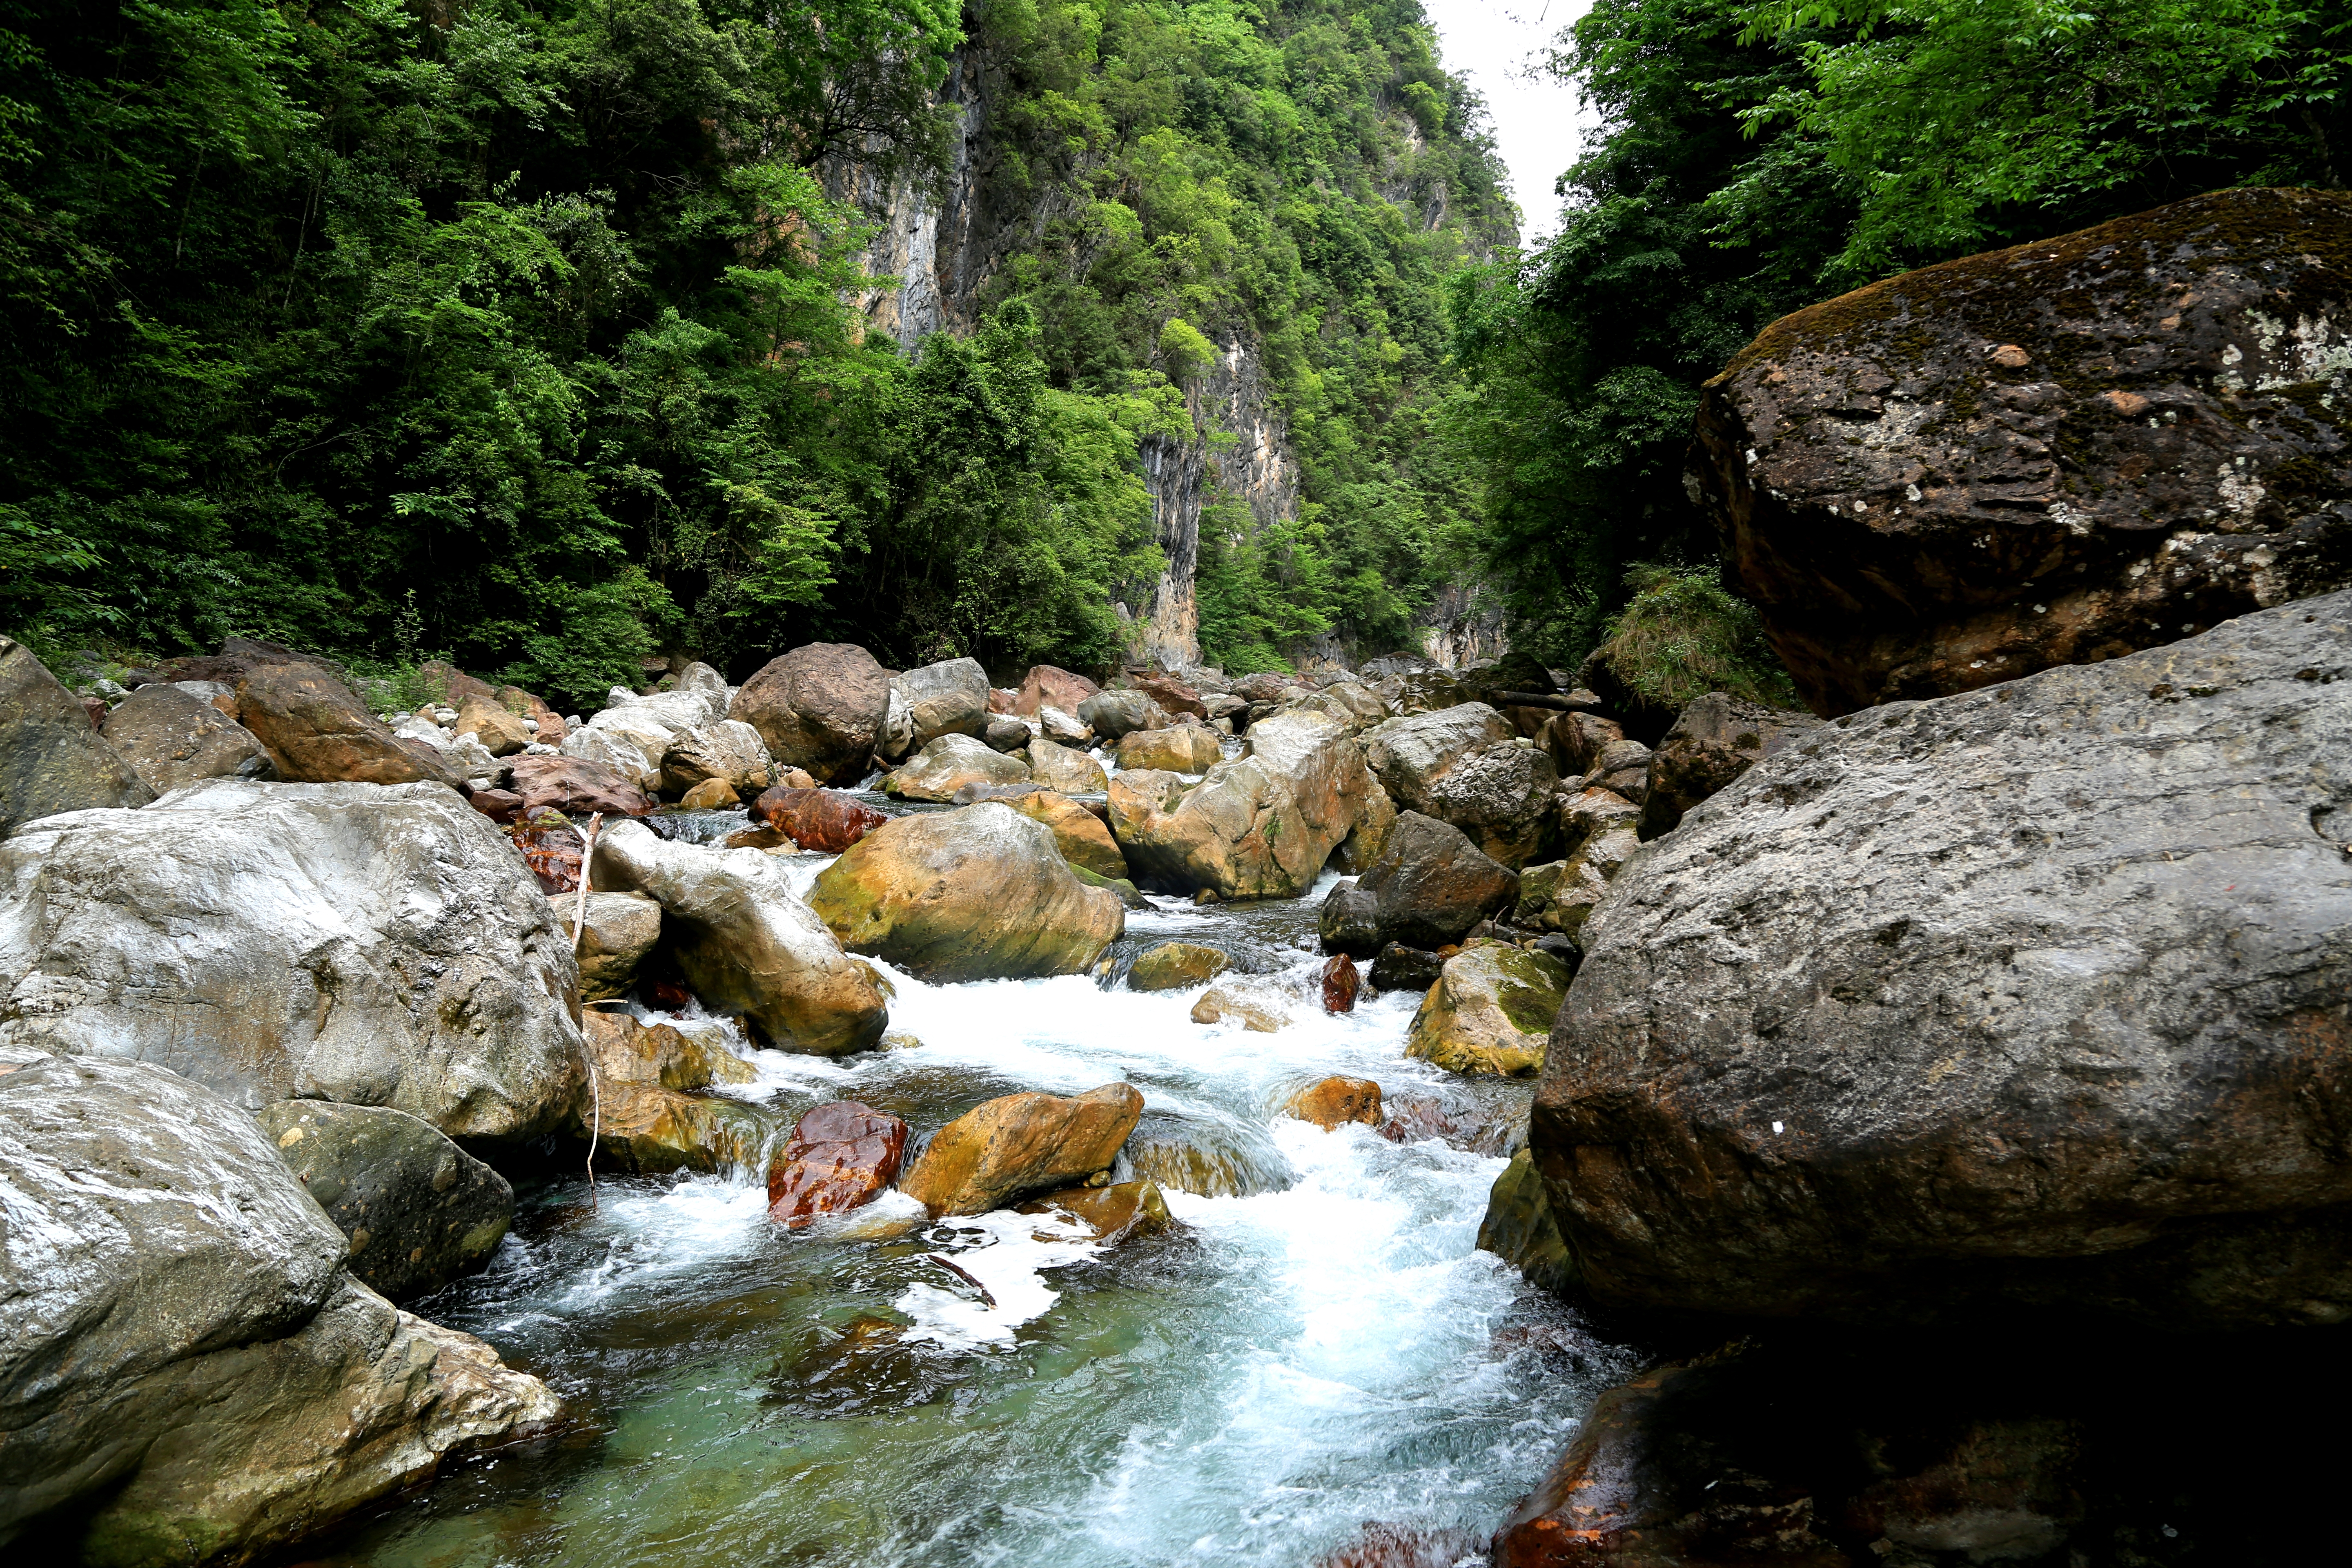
1682 634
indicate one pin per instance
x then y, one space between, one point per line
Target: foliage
1682 635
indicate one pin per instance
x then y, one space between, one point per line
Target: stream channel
1317 1343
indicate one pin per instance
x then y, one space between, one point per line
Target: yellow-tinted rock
1490 1012
1173 965
1113 1214
1184 749
711 794
1022 1143
500 730
1219 1006
1335 1100
1078 833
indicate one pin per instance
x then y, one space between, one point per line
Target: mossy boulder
1519 1228
1082 837
1490 1012
1173 965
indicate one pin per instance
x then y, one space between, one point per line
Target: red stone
498 804
96 708
551 853
822 819
576 788
670 996
1003 699
1340 983
1172 694
841 1155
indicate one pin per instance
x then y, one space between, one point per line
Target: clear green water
1248 1390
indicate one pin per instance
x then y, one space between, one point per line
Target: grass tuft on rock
1682 634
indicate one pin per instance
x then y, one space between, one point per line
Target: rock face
841 1156
2046 988
2049 455
947 699
1429 888
948 765
1717 738
1410 755
616 755
745 941
338 941
978 893
1490 1012
1260 827
577 788
1577 739
50 758
1079 833
418 1210
620 932
1179 749
1070 771
185 1349
170 737
818 708
1022 1143
1175 965
819 819
317 731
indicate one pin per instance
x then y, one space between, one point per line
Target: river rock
2021 974
948 763
637 730
1623 768
614 756
619 934
1353 704
819 708
1057 768
316 731
818 819
1046 686
1022 1143
729 751
1490 1012
523 704
976 893
1375 820
1410 754
1079 833
1172 695
418 1210
500 732
1260 827
841 1156
1716 739
1561 897
745 941
653 1130
1502 798
173 737
1593 810
186 1350
1175 966
1340 983
711 794
946 699
1114 714
1258 1013
1575 742
1062 728
1518 1228
1430 887
1112 1213
1402 968
339 942
1006 733
1181 749
2047 455
685 1060
1335 1102
897 736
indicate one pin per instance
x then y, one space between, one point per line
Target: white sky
1493 43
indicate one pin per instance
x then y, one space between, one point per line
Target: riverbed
1315 1344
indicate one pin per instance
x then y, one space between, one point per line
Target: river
1317 1345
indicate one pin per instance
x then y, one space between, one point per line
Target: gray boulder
619 932
358 942
946 699
819 708
1111 714
418 1210
172 737
183 1348
2037 995
1502 797
1430 886
1717 738
729 750
950 763
50 758
1410 754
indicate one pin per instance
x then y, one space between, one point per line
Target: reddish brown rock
238 657
820 708
451 685
516 701
551 852
1576 741
1172 694
1112 1213
576 788
1048 686
498 804
841 1156
1003 699
1338 1100
1378 1545
316 731
1340 983
821 819
2054 454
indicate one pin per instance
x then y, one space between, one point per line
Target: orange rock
1113 1214
1335 1100
1022 1143
821 819
841 1156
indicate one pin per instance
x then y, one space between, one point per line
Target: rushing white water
1248 1389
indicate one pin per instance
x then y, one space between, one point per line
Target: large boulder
1490 1012
50 758
729 751
317 731
821 819
500 731
618 754
1260 827
689 1058
1576 741
1717 738
2035 995
1172 695
1112 714
1502 798
418 1210
274 941
1079 833
978 893
745 941
1022 1143
819 708
2049 455
1059 768
1410 754
616 935
948 765
946 699
170 737
1430 886
1179 749
576 788
1176 966
185 1354
1046 686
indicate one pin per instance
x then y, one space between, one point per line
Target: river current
1317 1344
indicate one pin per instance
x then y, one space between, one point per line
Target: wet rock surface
2032 995
1021 1143
819 819
1173 965
953 763
1335 1102
1430 886
841 1156
2053 454
1259 826
1490 1012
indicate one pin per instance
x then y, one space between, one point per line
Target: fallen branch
587 1051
